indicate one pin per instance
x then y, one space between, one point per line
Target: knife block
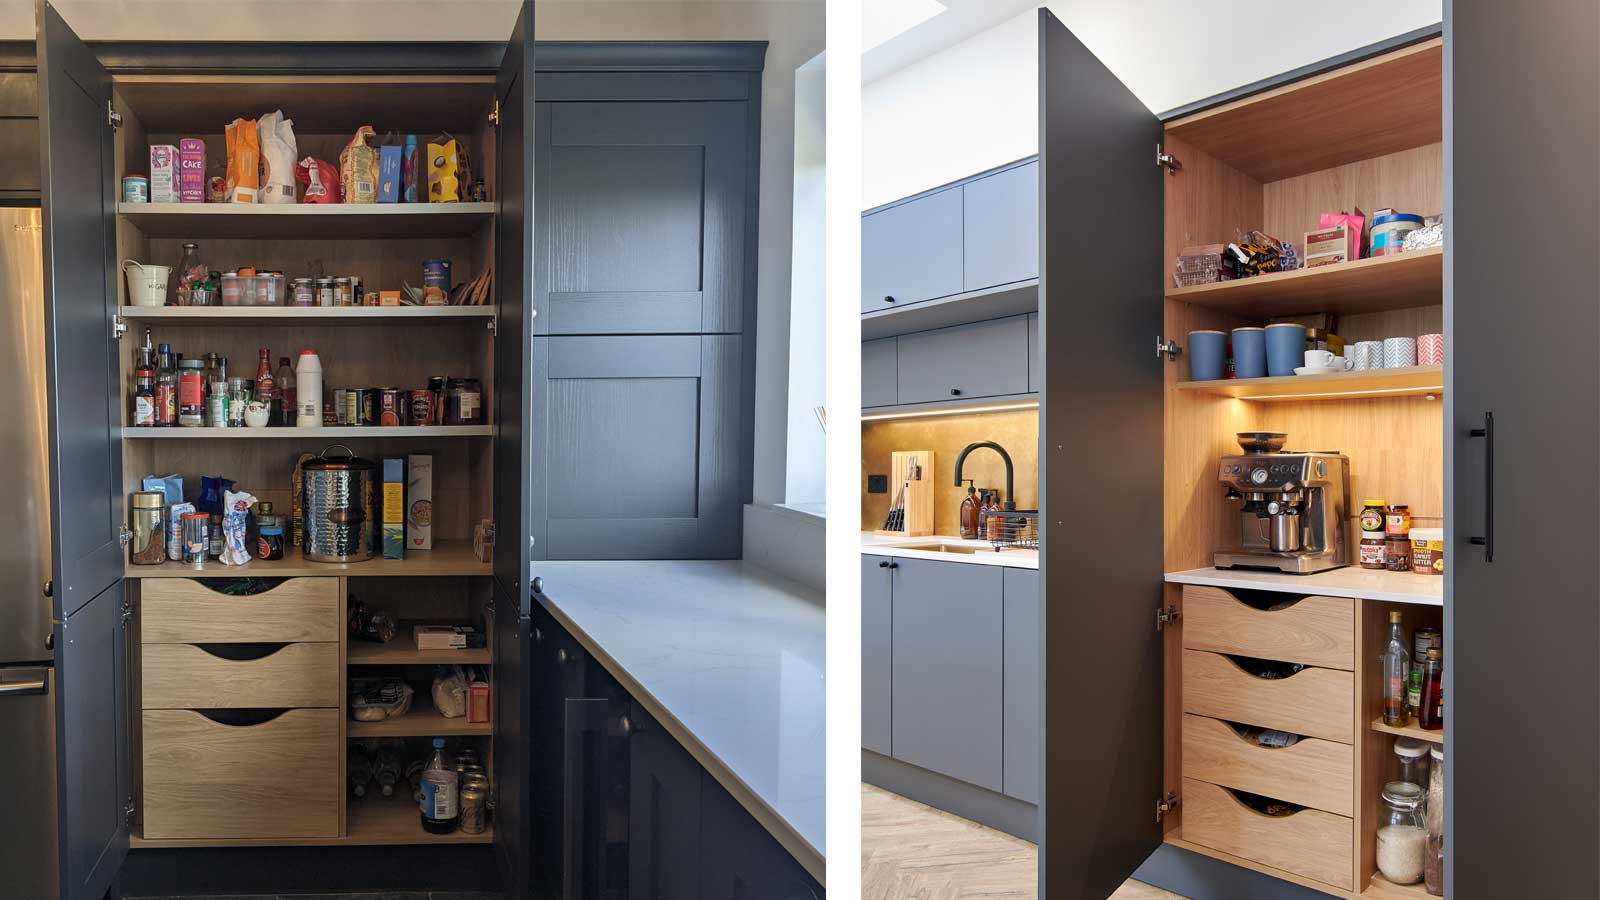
911 476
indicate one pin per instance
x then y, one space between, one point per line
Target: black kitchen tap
962 458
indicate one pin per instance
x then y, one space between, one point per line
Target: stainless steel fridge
28 855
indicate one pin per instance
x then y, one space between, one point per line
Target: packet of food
244 161
446 170
175 529
321 180
358 167
278 151
235 527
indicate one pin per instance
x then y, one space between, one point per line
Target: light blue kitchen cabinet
1022 681
1000 228
911 252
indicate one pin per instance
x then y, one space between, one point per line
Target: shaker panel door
879 377
1097 315
645 219
642 447
92 757
1022 674
948 682
740 859
911 252
664 820
1001 225
877 648
1519 82
984 359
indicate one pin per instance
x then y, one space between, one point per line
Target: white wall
805 480
974 105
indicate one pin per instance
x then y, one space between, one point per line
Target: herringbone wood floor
910 851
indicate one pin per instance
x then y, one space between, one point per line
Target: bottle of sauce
144 397
969 513
283 411
264 379
1373 550
1431 715
166 389
1396 670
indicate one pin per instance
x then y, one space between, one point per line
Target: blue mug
1208 355
1249 352
1286 348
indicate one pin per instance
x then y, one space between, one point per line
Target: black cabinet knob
894 565
955 392
888 299
884 564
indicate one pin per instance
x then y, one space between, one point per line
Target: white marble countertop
928 548
729 658
1350 581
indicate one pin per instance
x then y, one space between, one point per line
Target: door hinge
1167 616
1167 161
124 535
127 611
1170 349
493 328
1166 805
128 809
494 114
113 118
119 327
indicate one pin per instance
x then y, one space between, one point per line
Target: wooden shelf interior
1343 385
447 558
1411 730
1359 286
402 651
301 221
311 435
161 316
421 721
376 819
417 104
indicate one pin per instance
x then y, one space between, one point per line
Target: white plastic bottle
308 390
439 784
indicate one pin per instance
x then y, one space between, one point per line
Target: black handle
888 299
1486 541
894 565
955 392
884 564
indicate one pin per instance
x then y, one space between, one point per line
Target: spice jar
1433 824
304 292
270 544
325 291
343 293
1397 553
149 545
1401 838
1413 756
1373 550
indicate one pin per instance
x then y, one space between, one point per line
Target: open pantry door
1520 157
513 458
77 140
1100 435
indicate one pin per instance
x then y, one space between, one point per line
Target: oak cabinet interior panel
1313 772
1311 843
1315 702
1317 631
187 676
911 252
183 610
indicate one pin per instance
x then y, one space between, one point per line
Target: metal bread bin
337 504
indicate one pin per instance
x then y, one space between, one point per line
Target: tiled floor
914 852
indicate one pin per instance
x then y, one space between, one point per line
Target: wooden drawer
1310 843
1317 631
1313 702
184 676
1313 772
276 779
182 610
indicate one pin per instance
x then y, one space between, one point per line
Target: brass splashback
1015 430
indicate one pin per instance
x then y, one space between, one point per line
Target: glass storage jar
1433 823
1413 756
149 544
1400 837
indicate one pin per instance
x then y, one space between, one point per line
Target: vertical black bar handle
1487 540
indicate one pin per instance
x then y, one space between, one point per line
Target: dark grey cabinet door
92 764
1001 225
739 860
877 650
664 815
1035 362
984 359
645 218
1022 676
1500 121
879 373
1105 657
911 252
641 449
948 658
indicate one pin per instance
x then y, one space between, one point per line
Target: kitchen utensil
337 497
147 285
1430 350
1261 441
1399 352
1208 352
1366 355
1286 347
1249 352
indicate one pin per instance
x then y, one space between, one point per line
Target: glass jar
270 545
343 292
1397 553
192 393
305 292
463 402
189 273
1400 837
1413 756
1433 824
238 399
325 291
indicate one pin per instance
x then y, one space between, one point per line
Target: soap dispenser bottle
969 512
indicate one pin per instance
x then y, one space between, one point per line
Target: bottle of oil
1396 674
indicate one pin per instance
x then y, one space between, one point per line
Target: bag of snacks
275 134
321 180
235 522
448 170
244 161
358 167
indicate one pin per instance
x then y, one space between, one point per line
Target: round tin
135 189
422 408
391 407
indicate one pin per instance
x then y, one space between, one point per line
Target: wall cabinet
911 252
984 359
880 373
1000 225
1022 684
877 649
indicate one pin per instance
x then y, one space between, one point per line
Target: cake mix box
163 173
192 170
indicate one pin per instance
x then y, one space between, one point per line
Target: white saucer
1318 370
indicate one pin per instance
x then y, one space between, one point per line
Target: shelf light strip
948 411
1360 393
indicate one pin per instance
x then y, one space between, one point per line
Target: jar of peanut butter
1427 551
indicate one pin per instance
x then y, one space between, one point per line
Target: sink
968 549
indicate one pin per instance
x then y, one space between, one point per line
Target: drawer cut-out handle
241 652
239 588
1238 728
242 718
1266 669
1251 803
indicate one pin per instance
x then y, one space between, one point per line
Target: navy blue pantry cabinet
983 359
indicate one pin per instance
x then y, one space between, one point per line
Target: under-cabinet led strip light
1361 393
948 411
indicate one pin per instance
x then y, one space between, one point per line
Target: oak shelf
421 432
1337 386
1401 281
306 315
1384 889
446 558
422 721
301 221
1411 730
402 651
376 819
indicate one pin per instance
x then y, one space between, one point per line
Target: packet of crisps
358 167
448 170
244 161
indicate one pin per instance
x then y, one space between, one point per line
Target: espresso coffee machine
1295 513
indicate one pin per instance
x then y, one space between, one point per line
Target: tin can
325 292
435 282
356 294
305 292
422 407
474 809
369 406
343 294
340 395
135 189
391 407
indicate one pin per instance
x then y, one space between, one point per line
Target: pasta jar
1400 838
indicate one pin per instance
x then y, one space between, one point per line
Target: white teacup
1324 359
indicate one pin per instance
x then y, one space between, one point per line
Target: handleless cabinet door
1035 363
948 685
1001 228
1022 675
984 359
911 252
644 217
877 647
879 378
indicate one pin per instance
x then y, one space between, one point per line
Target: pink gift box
192 170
